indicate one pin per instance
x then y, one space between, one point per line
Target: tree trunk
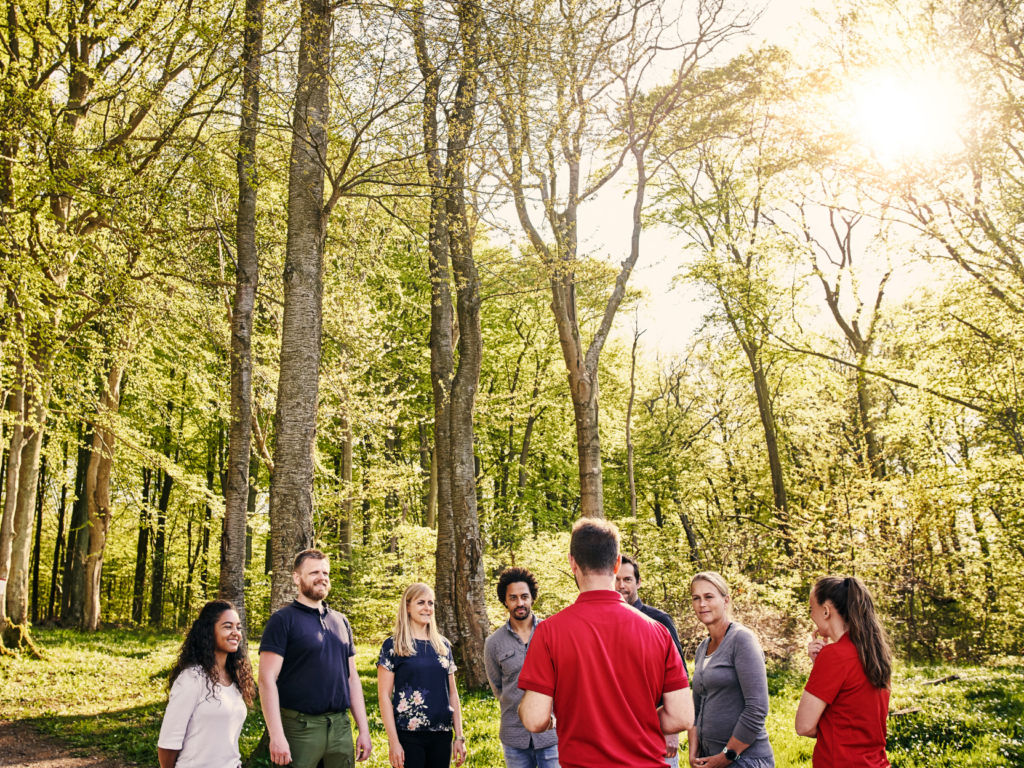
291 493
97 493
156 599
345 532
425 465
470 581
73 597
16 401
764 407
588 444
37 549
236 496
250 506
18 586
629 435
58 546
432 493
442 364
142 550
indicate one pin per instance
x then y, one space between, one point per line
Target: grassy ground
108 690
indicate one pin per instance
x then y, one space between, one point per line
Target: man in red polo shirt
604 667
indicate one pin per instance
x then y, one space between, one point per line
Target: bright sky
671 314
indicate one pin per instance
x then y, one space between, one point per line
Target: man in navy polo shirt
308 677
627 583
602 667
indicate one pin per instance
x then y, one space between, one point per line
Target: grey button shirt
504 654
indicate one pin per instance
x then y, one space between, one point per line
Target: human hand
814 647
715 761
364 746
459 747
280 752
671 745
396 755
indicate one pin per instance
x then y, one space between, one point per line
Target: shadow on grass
132 734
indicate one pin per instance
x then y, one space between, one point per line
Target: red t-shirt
606 666
851 731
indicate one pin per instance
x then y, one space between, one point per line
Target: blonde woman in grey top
730 685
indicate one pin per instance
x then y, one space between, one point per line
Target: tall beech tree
567 86
460 582
236 496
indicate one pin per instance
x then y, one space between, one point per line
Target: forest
326 274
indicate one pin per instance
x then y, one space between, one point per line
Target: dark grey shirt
730 694
504 654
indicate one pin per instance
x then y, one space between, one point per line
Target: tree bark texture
460 584
73 598
442 363
37 547
629 436
11 496
236 496
142 549
470 580
345 527
156 600
28 480
291 493
58 545
97 493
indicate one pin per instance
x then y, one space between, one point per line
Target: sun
902 119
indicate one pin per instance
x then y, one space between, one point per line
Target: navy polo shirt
316 647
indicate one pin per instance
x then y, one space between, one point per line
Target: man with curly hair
504 654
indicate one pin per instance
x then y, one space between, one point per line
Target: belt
326 717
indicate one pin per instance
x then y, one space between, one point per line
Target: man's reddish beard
313 590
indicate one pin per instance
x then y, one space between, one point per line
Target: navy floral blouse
420 696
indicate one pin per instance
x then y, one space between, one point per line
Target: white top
204 726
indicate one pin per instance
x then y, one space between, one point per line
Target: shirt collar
639 604
508 624
307 609
600 595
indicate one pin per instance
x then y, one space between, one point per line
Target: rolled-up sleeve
181 703
753 679
491 664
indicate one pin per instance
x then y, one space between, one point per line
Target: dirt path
22 746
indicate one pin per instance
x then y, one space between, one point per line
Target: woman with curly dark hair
211 690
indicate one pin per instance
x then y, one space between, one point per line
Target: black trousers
426 749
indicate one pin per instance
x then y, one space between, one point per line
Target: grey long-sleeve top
730 694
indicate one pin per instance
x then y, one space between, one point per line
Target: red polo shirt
851 731
606 666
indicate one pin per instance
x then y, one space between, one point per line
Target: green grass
108 690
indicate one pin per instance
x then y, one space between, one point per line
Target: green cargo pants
313 738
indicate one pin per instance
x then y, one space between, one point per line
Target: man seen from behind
603 667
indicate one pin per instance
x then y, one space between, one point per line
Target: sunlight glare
901 119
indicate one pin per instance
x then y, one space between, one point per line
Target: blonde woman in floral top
419 701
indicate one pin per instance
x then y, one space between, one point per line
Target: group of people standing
602 682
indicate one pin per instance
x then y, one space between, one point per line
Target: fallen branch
946 679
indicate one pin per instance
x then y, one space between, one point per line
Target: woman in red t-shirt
846 699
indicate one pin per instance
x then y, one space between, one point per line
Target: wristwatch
730 754
463 738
